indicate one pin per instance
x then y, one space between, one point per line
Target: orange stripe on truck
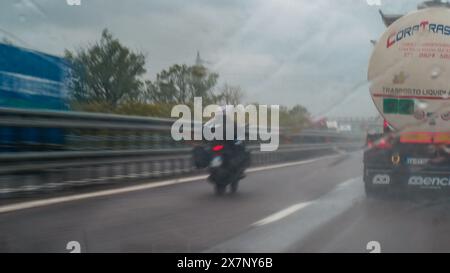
425 137
443 138
416 137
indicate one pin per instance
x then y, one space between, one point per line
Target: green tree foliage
132 108
7 41
230 95
106 73
181 83
295 117
107 77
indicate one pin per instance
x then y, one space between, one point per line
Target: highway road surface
315 205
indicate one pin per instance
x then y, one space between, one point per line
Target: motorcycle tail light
217 148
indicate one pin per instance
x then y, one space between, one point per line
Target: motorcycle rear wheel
234 186
220 189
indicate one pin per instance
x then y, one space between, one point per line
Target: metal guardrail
30 172
79 120
13 163
103 148
82 120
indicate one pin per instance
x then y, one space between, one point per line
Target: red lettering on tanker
425 50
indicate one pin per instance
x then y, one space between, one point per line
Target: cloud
314 53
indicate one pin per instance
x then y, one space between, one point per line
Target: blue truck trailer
32 80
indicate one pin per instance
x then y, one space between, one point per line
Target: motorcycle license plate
216 162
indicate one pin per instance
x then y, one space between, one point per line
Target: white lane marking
281 214
290 210
276 166
57 200
102 179
282 236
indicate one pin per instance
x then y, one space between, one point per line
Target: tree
295 117
106 72
230 95
181 83
7 41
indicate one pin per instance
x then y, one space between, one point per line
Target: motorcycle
226 163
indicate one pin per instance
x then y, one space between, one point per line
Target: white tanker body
409 75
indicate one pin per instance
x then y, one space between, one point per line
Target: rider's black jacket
236 150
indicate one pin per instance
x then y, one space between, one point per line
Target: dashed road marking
281 214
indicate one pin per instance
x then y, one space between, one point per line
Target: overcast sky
313 53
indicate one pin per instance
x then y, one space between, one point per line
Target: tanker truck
409 82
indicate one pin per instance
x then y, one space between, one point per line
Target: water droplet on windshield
435 72
422 105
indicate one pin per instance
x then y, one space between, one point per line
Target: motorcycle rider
238 158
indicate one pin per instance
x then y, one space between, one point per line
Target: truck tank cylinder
409 77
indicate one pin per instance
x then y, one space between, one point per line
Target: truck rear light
383 144
386 126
